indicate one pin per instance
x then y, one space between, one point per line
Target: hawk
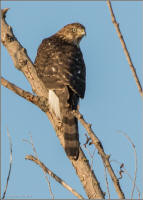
59 64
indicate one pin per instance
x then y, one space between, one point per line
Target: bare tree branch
58 179
135 155
131 179
36 156
10 165
99 147
24 64
125 48
41 102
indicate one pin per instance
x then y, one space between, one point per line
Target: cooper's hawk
59 64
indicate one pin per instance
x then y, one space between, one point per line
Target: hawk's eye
74 30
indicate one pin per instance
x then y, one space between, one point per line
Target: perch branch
10 165
125 48
24 64
101 152
58 179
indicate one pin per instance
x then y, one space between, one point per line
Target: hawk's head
72 33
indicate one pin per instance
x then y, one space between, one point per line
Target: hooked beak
84 32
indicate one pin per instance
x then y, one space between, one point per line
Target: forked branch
53 175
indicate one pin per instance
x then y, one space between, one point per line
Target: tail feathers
71 136
58 103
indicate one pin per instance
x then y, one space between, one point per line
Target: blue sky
112 101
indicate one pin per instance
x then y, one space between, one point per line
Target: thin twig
58 179
88 140
106 180
99 147
29 142
92 157
49 185
33 147
125 48
90 154
121 170
36 156
135 156
132 180
10 165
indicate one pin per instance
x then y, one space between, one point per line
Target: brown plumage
59 64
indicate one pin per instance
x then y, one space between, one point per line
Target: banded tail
71 135
70 124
